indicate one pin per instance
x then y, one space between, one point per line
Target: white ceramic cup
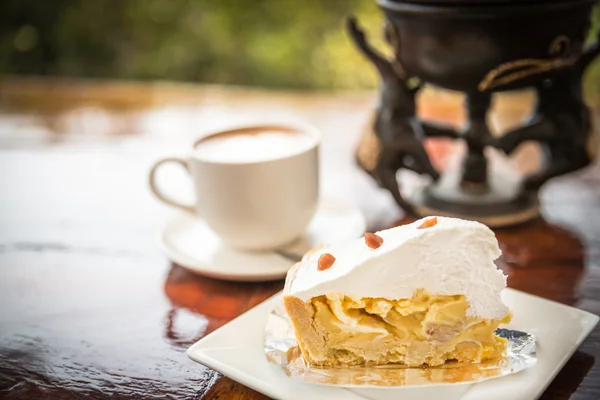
252 205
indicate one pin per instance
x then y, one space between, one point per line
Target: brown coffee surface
253 144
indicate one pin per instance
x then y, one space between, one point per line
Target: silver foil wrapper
282 349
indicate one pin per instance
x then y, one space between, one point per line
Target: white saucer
190 243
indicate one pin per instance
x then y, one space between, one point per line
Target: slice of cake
418 294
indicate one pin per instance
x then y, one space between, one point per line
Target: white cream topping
453 257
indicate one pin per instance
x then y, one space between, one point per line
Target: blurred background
267 43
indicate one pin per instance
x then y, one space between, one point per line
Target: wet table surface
90 308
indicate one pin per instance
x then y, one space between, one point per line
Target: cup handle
159 193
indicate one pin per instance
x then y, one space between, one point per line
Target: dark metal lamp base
501 203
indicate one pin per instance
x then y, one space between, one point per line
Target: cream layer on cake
454 257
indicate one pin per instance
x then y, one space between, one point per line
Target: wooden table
90 308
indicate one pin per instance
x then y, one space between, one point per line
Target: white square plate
236 350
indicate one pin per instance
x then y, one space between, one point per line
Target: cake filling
425 329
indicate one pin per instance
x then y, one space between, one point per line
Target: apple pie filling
426 329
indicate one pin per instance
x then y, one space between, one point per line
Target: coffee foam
253 145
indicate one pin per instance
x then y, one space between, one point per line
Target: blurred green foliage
271 43
592 78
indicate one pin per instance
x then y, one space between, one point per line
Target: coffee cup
256 187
